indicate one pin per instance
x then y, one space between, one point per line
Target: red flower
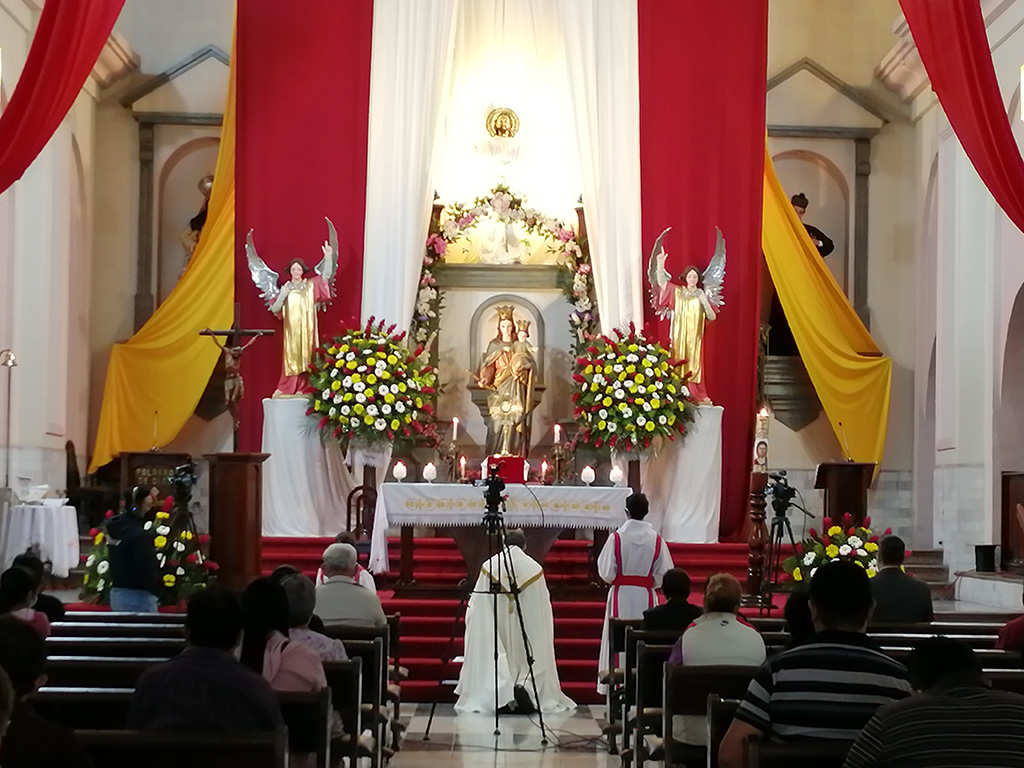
847 518
799 548
323 423
826 523
597 443
887 532
110 514
94 532
211 565
867 522
192 558
813 533
851 532
168 503
826 540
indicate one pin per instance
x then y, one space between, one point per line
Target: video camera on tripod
494 497
782 494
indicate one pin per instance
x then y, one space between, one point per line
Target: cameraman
134 574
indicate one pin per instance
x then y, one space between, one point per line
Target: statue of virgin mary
507 370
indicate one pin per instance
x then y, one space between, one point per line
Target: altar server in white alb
633 562
476 680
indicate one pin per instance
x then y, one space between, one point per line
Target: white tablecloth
305 482
684 482
456 505
53 530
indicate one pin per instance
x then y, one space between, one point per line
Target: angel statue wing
658 276
328 265
265 278
714 275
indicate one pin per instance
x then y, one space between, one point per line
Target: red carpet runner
427 621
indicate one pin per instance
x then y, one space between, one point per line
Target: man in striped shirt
956 722
828 688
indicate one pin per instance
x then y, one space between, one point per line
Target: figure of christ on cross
234 387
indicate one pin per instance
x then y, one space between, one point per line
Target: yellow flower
160 542
358 410
588 370
858 562
671 389
343 348
671 419
622 376
356 378
632 347
797 576
655 403
402 387
649 426
98 539
339 364
335 385
835 530
871 573
161 515
831 550
385 375
606 402
593 387
607 370
392 359
187 535
169 579
394 424
368 421
351 365
871 547
389 398
601 425
640 378
630 368
332 350
371 379
419 402
316 406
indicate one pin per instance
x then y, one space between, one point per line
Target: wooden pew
650 689
687 691
373 715
345 679
148 647
306 715
116 629
631 719
123 618
720 714
795 754
614 677
131 749
97 671
896 639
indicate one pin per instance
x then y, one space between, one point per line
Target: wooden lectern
236 515
846 488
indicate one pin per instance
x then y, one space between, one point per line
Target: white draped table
456 505
305 482
51 528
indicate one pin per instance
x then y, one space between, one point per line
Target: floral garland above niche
576 277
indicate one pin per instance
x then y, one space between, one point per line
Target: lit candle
544 471
430 472
399 471
587 475
455 429
462 467
558 434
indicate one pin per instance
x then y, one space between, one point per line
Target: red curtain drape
66 44
951 39
702 101
303 99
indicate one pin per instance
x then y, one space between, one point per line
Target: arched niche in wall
828 192
179 199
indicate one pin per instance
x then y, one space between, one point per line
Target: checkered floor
456 740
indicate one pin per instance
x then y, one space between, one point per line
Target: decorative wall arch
507 298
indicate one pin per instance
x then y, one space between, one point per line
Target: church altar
305 481
455 505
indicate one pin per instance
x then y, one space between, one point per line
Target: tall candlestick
558 434
455 429
462 467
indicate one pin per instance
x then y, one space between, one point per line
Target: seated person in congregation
266 649
718 638
363 576
828 688
46 604
957 721
205 687
677 612
340 599
510 569
797 614
899 597
31 741
6 702
17 595
301 601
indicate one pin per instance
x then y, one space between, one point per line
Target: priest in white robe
633 562
476 680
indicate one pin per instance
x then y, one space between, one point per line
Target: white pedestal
684 482
305 483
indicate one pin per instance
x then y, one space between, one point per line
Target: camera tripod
496 533
780 530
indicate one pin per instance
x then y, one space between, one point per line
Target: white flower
612 426
380 425
617 368
163 530
662 420
162 559
334 373
345 410
647 407
354 422
103 567
178 546
845 550
400 407
360 397
394 389
338 397
658 385
603 413
371 410
610 356
685 390
326 394
180 571
383 390
855 542
100 585
346 382
333 412
350 357
451 229
148 525
873 564
385 409
631 358
627 412
648 373
620 394
90 560
641 421
359 386
861 553
599 378
809 558
813 571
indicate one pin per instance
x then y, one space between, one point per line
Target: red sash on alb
622 580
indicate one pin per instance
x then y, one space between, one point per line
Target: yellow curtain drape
159 374
847 368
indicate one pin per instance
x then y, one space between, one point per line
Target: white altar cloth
51 528
305 482
684 482
453 505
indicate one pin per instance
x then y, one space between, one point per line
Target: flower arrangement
456 221
836 541
370 389
183 568
629 394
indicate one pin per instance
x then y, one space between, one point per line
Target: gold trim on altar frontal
511 505
502 122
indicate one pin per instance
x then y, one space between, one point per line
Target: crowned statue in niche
508 372
296 303
688 306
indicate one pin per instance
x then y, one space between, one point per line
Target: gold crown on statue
523 325
506 313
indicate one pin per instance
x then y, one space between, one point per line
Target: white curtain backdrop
602 58
409 81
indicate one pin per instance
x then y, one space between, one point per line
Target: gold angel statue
296 303
689 306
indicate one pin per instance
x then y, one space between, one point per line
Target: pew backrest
130 749
719 718
795 754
